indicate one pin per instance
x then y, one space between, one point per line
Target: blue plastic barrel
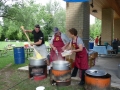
19 55
91 45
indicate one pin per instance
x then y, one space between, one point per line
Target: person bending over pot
58 43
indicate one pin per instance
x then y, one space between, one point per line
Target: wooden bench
5 51
2 52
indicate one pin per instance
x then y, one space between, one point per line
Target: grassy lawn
8 58
13 79
17 44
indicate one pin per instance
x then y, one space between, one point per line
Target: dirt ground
11 79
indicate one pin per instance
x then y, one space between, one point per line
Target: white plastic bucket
40 88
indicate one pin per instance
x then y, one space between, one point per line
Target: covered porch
108 11
78 16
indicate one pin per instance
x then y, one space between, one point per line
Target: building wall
117 28
78 16
107 26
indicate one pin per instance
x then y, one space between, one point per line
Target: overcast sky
63 3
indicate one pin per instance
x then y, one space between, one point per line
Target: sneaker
81 83
75 78
73 75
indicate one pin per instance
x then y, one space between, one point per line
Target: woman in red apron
58 43
81 58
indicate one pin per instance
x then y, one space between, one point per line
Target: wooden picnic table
4 51
28 52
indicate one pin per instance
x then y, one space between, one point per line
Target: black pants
83 75
74 73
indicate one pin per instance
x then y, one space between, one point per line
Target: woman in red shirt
96 41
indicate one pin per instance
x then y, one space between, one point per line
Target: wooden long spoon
38 56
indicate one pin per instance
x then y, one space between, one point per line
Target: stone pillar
78 16
107 26
117 28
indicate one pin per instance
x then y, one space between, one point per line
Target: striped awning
76 0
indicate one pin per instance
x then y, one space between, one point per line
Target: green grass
17 44
13 79
8 58
16 82
3 44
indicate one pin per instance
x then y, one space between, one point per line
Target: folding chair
111 51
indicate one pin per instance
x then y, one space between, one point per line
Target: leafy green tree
1 31
21 14
27 13
95 29
57 17
59 20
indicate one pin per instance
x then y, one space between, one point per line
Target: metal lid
96 72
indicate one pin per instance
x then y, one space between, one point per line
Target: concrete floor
110 65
